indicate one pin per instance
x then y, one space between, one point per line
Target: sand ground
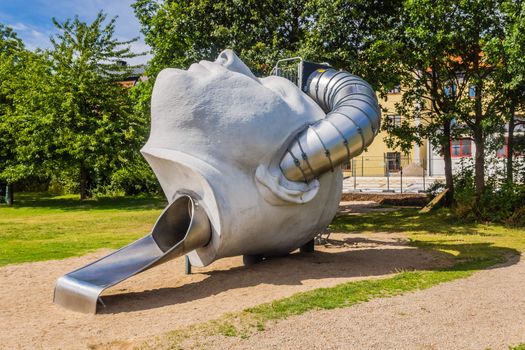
163 299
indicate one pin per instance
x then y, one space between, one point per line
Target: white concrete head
218 133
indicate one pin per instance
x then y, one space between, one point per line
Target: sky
31 19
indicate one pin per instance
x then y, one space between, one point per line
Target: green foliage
9 41
66 118
18 69
183 32
439 47
351 35
506 53
133 179
95 128
27 121
502 202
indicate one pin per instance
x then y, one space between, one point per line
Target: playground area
164 299
380 256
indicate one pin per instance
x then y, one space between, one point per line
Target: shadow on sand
370 258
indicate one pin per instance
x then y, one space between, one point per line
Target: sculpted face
218 134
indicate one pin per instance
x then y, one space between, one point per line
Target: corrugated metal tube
351 123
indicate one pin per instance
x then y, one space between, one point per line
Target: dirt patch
164 299
361 207
397 199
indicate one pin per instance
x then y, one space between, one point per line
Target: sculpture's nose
231 61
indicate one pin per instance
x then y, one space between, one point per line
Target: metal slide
352 121
182 227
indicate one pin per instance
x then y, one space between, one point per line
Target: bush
501 202
135 179
64 181
434 189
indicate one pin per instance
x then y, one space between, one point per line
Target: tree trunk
479 161
83 182
510 143
449 181
479 141
9 194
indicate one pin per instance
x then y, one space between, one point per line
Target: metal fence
289 68
391 172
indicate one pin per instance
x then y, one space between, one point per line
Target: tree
439 45
507 55
92 120
9 41
11 49
349 35
183 32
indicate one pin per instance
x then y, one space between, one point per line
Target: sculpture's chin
181 174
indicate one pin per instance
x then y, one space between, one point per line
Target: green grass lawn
471 246
42 227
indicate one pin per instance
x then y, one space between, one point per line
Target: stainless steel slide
182 227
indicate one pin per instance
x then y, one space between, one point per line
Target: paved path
486 310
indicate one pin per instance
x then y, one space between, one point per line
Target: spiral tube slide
351 123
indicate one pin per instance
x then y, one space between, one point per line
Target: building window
450 90
519 147
393 161
394 119
503 151
461 148
472 91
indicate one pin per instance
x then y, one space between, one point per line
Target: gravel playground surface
164 299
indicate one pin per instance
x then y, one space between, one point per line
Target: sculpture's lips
182 174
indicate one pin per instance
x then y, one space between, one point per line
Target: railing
289 68
388 173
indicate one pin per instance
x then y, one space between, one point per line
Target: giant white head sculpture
250 166
216 134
